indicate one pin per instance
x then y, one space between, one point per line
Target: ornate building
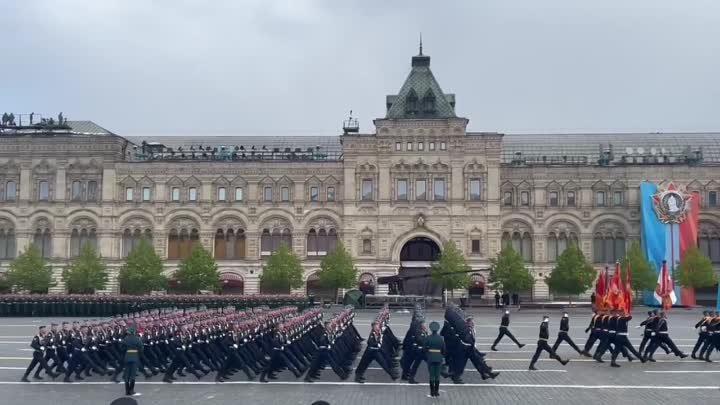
392 196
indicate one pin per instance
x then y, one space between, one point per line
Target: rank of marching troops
258 341
265 342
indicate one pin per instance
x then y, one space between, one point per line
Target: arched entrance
477 285
313 287
232 284
366 283
416 258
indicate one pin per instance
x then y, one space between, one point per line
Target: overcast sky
296 67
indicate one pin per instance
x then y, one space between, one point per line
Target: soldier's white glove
235 346
94 347
42 348
652 334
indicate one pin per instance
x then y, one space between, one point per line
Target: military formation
263 342
106 305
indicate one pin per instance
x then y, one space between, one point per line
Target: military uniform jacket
505 321
564 324
133 348
435 348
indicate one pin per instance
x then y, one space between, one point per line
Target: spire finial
421 44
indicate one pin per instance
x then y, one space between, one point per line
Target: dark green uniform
134 348
435 346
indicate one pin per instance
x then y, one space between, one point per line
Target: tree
337 269
198 272
282 271
450 270
30 272
573 275
143 271
87 273
508 272
642 275
696 270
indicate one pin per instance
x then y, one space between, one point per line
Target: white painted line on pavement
15 358
391 384
497 369
683 371
12 368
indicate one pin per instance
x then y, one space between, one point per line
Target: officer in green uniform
133 351
435 346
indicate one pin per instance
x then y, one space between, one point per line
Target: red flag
628 290
665 290
600 286
615 291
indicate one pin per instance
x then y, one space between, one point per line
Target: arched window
286 238
322 242
557 243
220 245
411 102
312 243
10 191
240 244
173 245
7 243
429 102
332 239
43 242
527 247
131 239
74 243
265 243
608 248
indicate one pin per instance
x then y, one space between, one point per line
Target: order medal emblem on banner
671 205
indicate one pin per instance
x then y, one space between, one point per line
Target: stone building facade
393 196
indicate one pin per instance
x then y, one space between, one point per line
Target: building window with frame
431 146
409 146
525 198
439 189
398 146
367 246
570 198
129 194
146 194
443 146
553 199
76 191
508 198
475 189
176 194
192 194
421 189
44 191
712 199
221 194
600 198
421 146
10 191
330 193
367 190
475 246
402 189
268 194
285 194
92 190
314 193
618 198
238 193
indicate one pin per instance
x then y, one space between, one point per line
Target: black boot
127 389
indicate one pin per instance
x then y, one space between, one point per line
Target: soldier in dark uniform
542 345
133 350
621 341
435 347
39 345
594 329
564 334
418 346
661 335
505 331
713 338
701 327
372 352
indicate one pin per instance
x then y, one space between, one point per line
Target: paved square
583 381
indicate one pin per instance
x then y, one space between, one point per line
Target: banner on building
669 227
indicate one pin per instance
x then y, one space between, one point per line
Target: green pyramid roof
421 95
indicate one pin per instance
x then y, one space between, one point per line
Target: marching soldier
621 341
595 330
542 345
661 335
133 351
372 352
504 331
39 346
702 329
564 334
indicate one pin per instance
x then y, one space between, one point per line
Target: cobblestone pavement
583 381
